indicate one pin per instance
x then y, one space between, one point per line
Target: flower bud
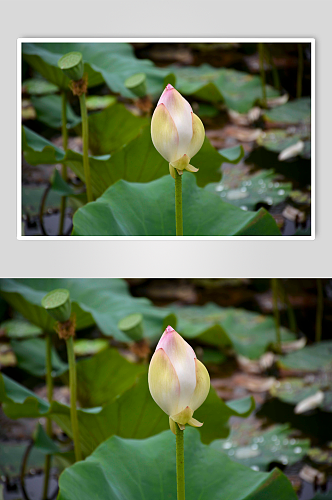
177 133
178 382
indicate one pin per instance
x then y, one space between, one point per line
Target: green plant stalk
85 137
319 312
299 72
65 146
49 386
73 398
275 74
262 71
180 463
274 285
290 310
178 204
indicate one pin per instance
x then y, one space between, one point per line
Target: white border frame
20 41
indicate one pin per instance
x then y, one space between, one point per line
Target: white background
70 18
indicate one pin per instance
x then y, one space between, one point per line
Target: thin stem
65 146
180 463
85 136
299 71
178 204
319 312
49 385
274 284
275 74
262 71
23 468
290 310
42 209
73 390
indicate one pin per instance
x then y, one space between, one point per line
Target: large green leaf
104 376
101 301
31 357
133 414
113 128
248 332
149 210
311 358
109 62
138 161
145 469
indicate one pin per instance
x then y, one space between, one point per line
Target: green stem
180 463
262 71
319 312
65 146
290 310
85 136
299 71
178 204
73 390
49 385
274 284
275 74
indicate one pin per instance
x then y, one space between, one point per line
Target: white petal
182 357
198 136
164 135
164 383
180 111
202 386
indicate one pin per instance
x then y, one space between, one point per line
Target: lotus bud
178 382
177 133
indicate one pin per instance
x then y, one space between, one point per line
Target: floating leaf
297 111
294 391
11 456
277 140
94 102
239 90
126 468
261 187
19 329
311 358
248 332
258 449
31 200
38 86
133 209
88 347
